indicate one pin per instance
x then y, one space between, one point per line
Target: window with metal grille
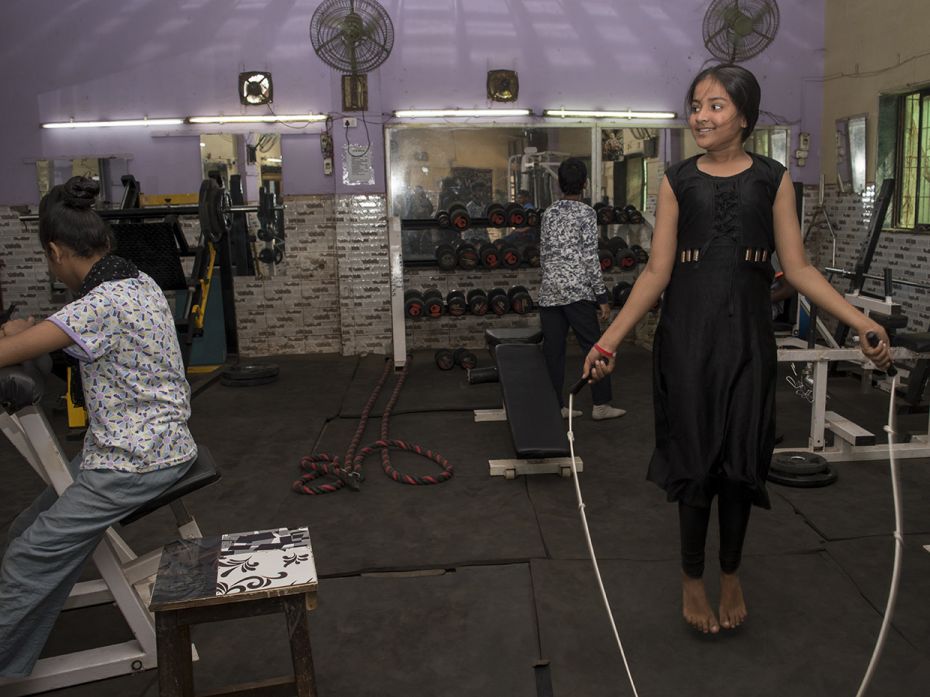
913 162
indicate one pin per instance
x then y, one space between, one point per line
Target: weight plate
254 371
208 187
807 481
252 382
798 463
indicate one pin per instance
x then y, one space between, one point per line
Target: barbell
214 209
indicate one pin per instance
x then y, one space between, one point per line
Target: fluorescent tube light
271 118
452 113
596 114
114 124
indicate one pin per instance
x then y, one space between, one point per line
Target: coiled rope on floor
348 471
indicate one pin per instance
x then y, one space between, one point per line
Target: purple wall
109 59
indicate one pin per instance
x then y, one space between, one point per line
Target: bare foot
695 607
732 606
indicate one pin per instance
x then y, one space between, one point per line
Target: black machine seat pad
23 385
512 335
918 342
201 473
532 405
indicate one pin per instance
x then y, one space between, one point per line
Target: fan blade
735 46
763 11
335 37
767 37
710 39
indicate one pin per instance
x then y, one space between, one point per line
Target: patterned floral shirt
571 270
135 389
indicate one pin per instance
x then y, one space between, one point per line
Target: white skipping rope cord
899 542
587 535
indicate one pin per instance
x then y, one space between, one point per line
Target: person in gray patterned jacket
572 294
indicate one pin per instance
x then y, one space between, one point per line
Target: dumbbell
509 254
271 255
413 303
498 301
444 358
516 215
476 376
615 244
604 255
626 259
456 305
496 215
605 213
456 217
621 293
465 358
520 300
477 301
531 255
466 255
636 218
621 217
432 303
533 217
642 256
489 255
446 256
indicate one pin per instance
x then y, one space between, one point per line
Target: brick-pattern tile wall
294 307
24 277
364 275
906 254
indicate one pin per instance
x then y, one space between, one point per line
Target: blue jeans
50 542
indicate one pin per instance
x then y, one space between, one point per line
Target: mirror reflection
448 184
249 167
108 171
254 157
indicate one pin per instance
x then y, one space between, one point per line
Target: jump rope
873 340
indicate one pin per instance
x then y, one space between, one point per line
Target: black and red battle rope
349 470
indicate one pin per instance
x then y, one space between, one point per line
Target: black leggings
733 513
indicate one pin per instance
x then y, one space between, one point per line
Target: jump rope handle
872 338
579 386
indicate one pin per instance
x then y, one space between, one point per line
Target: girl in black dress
720 217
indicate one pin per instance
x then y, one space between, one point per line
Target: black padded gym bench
531 407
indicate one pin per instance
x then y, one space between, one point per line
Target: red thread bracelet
604 352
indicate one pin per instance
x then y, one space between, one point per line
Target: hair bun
80 192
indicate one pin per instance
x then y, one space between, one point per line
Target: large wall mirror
254 157
432 168
249 165
108 171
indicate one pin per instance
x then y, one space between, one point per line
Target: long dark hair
741 86
66 218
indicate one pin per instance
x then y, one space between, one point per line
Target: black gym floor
462 588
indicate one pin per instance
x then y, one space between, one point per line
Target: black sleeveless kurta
714 356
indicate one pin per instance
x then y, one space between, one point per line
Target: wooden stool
222 578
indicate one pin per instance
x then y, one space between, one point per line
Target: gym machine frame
126 578
216 213
851 442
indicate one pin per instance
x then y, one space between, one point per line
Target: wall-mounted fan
354 36
255 87
735 30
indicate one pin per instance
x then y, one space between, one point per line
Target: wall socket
349 122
